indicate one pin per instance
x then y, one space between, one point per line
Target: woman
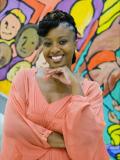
52 113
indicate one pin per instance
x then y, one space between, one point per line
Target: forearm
81 130
77 89
83 125
18 127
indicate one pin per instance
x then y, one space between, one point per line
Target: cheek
45 53
14 31
70 53
2 26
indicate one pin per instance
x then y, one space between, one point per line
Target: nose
55 49
24 44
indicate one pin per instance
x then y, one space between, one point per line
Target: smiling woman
59 48
52 113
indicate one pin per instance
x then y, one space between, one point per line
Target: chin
56 65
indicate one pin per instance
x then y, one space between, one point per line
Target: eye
13 26
6 23
24 37
33 42
62 42
47 44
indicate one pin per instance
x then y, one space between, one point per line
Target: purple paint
4 70
65 5
17 4
98 6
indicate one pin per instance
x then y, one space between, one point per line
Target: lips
23 51
57 58
6 33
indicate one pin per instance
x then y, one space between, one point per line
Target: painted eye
24 37
6 23
62 42
13 26
33 42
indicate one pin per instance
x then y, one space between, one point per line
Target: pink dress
29 119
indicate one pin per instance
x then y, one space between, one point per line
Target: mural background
97 55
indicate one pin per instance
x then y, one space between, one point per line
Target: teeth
57 58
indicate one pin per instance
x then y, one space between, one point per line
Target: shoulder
23 75
21 83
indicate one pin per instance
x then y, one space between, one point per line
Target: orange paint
101 57
92 32
37 6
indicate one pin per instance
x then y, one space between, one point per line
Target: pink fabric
29 119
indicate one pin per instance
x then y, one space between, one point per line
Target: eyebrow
58 38
63 37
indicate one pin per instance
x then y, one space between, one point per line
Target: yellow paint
108 24
109 3
9 42
5 87
118 156
114 133
19 13
111 12
82 11
108 17
18 66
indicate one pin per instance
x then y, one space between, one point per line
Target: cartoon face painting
8 29
27 42
5 54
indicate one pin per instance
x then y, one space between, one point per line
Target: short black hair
53 19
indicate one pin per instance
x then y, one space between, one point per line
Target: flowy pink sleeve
17 126
83 127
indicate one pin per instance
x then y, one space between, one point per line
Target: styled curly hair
53 19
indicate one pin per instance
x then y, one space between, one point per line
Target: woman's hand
64 75
56 140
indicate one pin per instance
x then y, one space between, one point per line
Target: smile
23 51
6 33
57 59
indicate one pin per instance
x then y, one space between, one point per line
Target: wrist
76 89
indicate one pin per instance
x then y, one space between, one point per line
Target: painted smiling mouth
6 33
57 58
23 51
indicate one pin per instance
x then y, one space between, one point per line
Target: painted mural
97 55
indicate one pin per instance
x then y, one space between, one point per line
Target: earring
74 57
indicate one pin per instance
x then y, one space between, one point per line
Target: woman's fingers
59 74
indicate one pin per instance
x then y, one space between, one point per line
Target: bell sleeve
84 125
17 125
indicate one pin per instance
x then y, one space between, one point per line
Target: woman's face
59 46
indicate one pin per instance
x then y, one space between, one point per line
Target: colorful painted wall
98 49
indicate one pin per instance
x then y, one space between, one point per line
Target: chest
51 92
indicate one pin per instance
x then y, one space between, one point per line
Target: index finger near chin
66 76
